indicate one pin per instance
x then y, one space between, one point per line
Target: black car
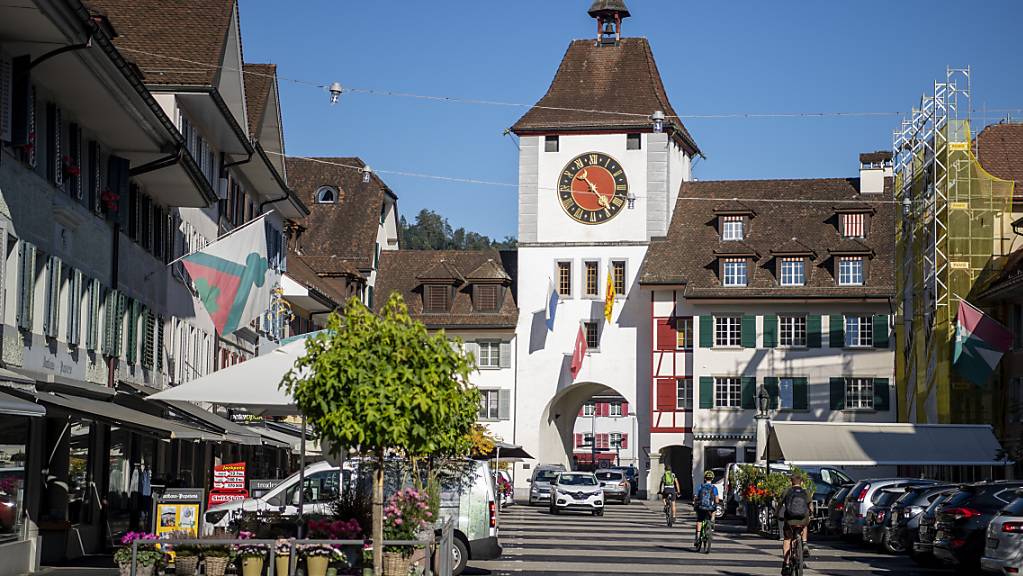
903 522
923 546
836 509
878 513
962 522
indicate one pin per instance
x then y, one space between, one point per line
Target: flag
578 353
552 304
980 343
609 297
230 276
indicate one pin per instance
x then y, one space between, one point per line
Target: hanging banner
228 483
178 511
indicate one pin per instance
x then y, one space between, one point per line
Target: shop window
13 455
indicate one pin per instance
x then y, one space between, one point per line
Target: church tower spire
609 15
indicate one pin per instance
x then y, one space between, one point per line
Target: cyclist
670 489
794 511
705 501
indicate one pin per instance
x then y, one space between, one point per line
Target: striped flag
609 297
980 343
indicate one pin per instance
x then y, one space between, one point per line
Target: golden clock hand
601 199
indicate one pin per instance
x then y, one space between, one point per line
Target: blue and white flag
552 304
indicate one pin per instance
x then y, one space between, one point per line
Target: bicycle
706 534
796 554
668 516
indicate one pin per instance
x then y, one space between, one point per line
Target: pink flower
397 521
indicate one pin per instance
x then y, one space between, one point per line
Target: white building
607 428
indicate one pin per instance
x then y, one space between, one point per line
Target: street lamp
658 118
763 420
335 92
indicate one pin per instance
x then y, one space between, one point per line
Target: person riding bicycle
670 489
794 511
705 502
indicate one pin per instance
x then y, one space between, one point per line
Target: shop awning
231 431
281 438
863 444
11 406
123 416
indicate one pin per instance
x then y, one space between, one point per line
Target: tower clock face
593 188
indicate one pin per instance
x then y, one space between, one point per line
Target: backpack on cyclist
797 504
668 480
705 497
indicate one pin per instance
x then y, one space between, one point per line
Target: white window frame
727 392
489 356
615 410
595 346
587 264
859 331
733 228
859 393
850 271
793 272
563 294
735 272
727 331
684 393
589 408
615 439
792 331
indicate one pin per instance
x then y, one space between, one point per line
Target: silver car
864 495
1003 549
540 483
615 485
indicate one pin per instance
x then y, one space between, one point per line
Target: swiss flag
578 353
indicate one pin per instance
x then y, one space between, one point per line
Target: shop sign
257 488
178 511
228 483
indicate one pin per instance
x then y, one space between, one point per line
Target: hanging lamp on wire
367 172
335 92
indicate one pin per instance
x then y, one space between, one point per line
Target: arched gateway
594 188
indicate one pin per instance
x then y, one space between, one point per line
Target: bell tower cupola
609 15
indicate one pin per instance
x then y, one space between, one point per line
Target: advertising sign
228 483
261 486
178 511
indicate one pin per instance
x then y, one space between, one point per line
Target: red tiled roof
1000 152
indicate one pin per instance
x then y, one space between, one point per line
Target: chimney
874 168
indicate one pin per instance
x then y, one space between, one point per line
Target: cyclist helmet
708 475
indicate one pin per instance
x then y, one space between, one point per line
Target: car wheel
459 556
598 512
554 510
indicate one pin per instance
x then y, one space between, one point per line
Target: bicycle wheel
708 536
796 556
667 514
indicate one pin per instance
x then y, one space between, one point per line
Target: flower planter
216 566
395 564
283 562
125 569
186 565
253 566
316 565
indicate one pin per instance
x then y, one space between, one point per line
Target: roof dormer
438 285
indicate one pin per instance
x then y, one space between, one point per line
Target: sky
714 57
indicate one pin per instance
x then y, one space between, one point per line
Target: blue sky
714 57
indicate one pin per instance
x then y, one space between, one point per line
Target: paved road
634 540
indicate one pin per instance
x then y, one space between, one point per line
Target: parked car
835 505
615 485
540 483
961 526
860 499
1003 552
923 546
577 491
903 523
632 475
879 513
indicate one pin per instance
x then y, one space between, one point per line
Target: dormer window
850 271
486 297
733 227
734 271
853 225
792 271
326 195
436 298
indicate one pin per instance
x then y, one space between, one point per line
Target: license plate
992 543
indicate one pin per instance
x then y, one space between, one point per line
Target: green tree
431 231
382 383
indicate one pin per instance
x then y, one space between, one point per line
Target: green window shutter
838 393
770 331
880 331
148 339
706 331
771 385
836 327
133 321
706 391
813 331
159 344
800 397
749 332
881 394
109 316
749 392
122 311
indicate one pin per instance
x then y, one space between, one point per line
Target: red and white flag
578 352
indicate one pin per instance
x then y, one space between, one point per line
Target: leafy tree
431 231
383 384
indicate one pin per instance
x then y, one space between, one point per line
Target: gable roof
1000 152
300 271
346 230
404 271
259 81
603 88
804 221
160 34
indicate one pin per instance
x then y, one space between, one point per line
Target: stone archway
556 426
678 459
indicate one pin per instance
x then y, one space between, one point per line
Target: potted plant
317 558
216 557
147 556
252 556
282 556
406 514
186 559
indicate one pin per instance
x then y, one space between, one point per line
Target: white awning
865 444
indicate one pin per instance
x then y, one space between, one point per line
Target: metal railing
439 563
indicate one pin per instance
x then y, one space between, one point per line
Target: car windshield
940 501
546 475
1014 508
856 490
907 498
886 497
840 495
577 480
608 476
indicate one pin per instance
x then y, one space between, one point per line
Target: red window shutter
605 409
666 392
580 411
666 334
604 440
625 408
578 440
625 440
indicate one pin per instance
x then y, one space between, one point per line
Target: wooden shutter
625 408
579 440
667 391
706 392
134 311
836 331
838 393
6 96
474 349
625 440
749 332
666 334
94 179
159 344
881 394
110 320
21 101
54 148
506 352
813 331
52 293
26 284
880 331
436 297
92 315
74 307
800 394
706 331
749 393
74 154
771 385
770 331
504 405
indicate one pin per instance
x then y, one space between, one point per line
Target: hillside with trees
431 231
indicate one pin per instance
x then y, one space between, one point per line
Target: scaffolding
952 233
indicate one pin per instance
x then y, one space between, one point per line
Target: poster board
228 484
178 511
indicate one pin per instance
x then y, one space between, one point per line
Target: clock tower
602 157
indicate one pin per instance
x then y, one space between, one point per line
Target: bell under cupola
609 15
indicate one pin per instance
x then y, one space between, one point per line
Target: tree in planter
382 383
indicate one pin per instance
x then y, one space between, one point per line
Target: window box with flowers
149 558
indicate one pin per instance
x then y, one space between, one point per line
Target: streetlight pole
593 436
